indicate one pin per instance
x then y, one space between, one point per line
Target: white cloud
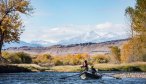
54 34
104 25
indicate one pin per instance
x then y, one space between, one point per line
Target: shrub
43 58
19 57
74 59
100 59
15 58
66 60
25 58
130 68
115 54
133 51
5 54
57 61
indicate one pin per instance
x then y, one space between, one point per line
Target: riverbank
13 69
33 67
129 67
17 68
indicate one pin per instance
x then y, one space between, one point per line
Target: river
55 78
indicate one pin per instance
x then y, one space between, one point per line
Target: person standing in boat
85 65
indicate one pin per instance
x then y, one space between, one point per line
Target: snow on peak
91 36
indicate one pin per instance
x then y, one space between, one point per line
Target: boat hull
87 75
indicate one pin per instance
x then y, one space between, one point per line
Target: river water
55 78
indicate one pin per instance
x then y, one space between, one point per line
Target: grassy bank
138 66
32 67
66 68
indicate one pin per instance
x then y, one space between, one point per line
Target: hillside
89 48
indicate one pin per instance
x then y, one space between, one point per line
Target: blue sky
55 20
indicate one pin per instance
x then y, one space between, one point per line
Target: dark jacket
93 70
85 65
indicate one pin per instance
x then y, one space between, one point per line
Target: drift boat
88 75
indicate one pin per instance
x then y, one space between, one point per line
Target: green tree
10 20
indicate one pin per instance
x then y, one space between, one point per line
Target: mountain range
91 36
59 50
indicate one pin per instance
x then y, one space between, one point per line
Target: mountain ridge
91 36
89 48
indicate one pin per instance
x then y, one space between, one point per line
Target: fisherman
85 65
93 70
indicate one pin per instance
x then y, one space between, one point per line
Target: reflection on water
55 78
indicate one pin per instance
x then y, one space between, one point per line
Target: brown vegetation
10 20
135 49
76 59
17 58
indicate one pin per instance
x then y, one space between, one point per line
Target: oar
69 76
112 76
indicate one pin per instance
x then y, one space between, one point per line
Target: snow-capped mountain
83 38
42 43
91 36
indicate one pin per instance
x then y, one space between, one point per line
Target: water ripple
54 78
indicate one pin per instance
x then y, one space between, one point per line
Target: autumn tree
115 53
137 17
11 25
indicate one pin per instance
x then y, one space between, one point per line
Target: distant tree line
47 59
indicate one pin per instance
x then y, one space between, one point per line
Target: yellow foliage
10 21
76 59
6 55
18 57
99 59
43 58
133 51
23 3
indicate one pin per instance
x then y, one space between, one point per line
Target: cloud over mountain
59 33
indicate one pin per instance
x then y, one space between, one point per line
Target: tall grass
136 66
